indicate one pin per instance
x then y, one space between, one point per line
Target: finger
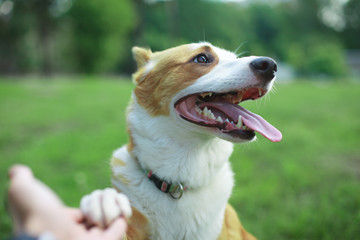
17 174
20 170
75 214
31 194
28 196
116 230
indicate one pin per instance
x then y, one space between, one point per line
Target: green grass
305 187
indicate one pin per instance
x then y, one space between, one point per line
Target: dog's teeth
240 96
203 95
211 115
207 113
227 120
260 92
230 98
219 119
246 128
198 110
239 124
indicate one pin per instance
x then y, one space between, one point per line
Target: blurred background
47 37
65 82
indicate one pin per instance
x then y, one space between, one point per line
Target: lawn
305 187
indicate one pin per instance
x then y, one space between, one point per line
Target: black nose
265 67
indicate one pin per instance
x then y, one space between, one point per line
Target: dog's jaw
160 144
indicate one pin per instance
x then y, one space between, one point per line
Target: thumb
117 230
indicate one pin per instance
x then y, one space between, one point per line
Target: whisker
238 48
274 89
242 53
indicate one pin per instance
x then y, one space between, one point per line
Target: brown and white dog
182 118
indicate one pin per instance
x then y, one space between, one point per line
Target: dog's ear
141 56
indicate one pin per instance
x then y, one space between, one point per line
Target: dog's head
199 86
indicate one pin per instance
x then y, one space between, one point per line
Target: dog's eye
201 58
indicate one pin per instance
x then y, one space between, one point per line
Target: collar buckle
176 191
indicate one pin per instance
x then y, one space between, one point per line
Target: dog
183 118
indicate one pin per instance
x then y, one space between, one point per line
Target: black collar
175 190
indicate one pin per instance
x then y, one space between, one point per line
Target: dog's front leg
102 207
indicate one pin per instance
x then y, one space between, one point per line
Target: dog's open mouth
221 111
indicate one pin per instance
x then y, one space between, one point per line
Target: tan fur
232 228
174 71
117 162
130 146
138 227
141 56
120 163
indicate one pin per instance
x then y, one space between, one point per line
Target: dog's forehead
221 53
183 52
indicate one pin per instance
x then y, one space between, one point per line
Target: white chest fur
198 161
197 215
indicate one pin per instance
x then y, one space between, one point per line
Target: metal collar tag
176 191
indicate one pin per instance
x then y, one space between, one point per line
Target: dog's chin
237 137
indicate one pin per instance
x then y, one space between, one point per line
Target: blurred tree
155 31
90 36
101 30
26 18
211 21
45 25
138 32
12 30
351 32
317 55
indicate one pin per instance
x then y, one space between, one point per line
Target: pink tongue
257 123
251 120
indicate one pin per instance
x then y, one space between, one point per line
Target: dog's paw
102 207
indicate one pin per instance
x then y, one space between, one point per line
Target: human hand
36 209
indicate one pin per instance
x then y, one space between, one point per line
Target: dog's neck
174 153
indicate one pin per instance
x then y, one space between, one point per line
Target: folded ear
141 56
